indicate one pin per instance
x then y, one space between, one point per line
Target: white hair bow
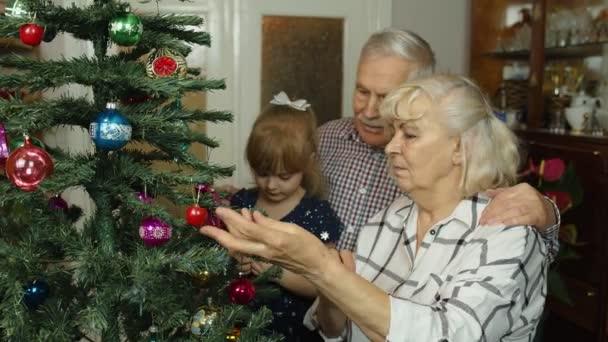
282 99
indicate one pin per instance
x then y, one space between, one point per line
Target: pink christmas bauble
28 165
154 231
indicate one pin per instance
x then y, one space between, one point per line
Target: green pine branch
105 283
114 77
69 171
92 22
20 117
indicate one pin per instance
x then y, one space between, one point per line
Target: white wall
444 24
72 139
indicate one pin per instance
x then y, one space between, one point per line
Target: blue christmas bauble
110 130
35 293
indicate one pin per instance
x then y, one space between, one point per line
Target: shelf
13 45
573 51
581 138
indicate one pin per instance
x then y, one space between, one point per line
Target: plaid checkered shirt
359 183
463 283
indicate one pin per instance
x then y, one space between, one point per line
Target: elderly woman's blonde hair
489 148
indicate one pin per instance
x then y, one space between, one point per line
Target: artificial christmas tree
133 272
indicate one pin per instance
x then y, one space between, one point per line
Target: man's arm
523 205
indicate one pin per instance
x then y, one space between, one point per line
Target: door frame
236 56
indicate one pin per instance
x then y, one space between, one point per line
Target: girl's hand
347 259
284 244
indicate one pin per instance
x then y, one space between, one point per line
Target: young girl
281 152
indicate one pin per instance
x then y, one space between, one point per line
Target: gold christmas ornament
166 63
202 278
233 334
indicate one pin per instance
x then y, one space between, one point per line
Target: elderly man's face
421 153
376 77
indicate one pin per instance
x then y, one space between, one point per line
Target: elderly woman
425 269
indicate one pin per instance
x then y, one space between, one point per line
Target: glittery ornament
154 232
241 291
15 8
110 130
126 29
58 203
28 166
166 63
202 320
233 334
36 292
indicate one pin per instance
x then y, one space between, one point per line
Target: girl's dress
288 309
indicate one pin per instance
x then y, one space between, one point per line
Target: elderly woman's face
421 153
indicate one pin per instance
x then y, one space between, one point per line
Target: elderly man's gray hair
404 44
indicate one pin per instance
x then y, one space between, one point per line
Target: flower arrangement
559 182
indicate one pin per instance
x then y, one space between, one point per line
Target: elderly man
354 163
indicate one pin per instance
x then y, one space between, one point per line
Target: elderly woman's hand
284 244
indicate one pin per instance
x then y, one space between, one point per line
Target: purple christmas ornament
143 197
3 145
58 203
154 231
203 187
206 188
215 221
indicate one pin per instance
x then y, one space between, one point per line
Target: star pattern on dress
324 236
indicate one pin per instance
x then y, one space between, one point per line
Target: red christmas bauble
135 98
31 34
7 94
196 215
164 62
164 66
241 291
28 165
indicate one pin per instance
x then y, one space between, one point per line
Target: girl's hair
490 150
284 139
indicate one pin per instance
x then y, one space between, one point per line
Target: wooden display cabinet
586 279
